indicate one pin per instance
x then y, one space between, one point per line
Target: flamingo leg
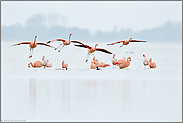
121 45
88 55
30 52
58 47
61 48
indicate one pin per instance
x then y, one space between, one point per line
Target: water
82 94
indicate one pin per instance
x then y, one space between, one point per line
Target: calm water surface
81 94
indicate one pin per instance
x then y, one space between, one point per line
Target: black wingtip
48 42
108 44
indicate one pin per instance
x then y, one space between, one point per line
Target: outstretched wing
63 40
77 42
21 43
84 46
137 41
45 45
103 50
115 43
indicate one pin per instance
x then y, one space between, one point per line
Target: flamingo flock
95 64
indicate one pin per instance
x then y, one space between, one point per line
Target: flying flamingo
151 64
32 45
91 49
122 63
145 62
102 64
64 65
65 42
114 60
126 41
37 64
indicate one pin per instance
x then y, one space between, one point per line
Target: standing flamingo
122 63
64 65
48 64
37 64
151 64
114 60
126 41
32 45
94 63
91 49
145 62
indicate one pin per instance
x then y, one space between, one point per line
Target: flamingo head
93 57
96 44
35 36
62 62
129 58
43 58
130 38
47 60
143 55
150 59
70 34
114 55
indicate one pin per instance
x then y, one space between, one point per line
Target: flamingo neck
95 46
31 64
69 38
34 40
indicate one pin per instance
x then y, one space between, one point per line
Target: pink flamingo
126 41
37 64
122 63
32 45
64 65
91 49
65 42
151 64
145 62
94 63
114 60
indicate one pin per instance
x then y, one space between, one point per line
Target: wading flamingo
32 45
151 64
102 64
126 41
44 62
94 63
37 64
91 49
64 65
48 64
65 42
146 61
114 60
122 63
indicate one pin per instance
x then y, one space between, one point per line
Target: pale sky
93 15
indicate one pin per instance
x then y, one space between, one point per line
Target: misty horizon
36 25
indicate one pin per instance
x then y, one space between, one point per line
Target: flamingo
126 41
151 64
91 49
122 63
65 42
32 45
37 64
114 60
102 64
94 63
145 62
48 64
44 62
64 65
